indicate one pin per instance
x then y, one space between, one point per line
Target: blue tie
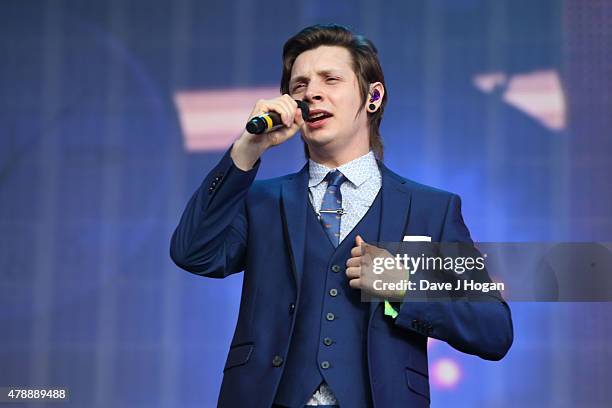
331 208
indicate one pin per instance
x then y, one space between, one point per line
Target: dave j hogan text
423 284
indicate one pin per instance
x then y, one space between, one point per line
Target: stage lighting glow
446 373
538 94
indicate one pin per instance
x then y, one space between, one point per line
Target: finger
287 113
299 113
284 112
282 134
260 107
353 262
292 103
361 244
356 252
289 99
355 283
290 106
275 105
298 119
353 272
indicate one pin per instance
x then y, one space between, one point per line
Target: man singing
304 337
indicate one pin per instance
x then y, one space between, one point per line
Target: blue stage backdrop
112 112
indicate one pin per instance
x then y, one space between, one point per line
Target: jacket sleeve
211 237
482 326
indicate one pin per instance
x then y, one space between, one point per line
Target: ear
375 96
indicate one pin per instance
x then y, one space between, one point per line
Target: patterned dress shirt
358 193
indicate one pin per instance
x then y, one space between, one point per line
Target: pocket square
417 238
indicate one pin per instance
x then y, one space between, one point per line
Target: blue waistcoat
329 338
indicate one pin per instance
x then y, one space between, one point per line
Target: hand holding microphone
268 116
271 120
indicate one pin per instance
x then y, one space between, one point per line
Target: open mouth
318 115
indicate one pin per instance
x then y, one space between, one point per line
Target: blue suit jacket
233 223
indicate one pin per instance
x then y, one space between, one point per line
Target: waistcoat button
277 361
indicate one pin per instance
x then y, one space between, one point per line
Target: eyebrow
303 78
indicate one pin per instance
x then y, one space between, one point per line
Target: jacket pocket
238 355
417 382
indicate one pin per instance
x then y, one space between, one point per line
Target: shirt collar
357 171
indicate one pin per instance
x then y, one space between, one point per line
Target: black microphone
270 120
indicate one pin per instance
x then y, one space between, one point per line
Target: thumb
365 258
359 241
299 120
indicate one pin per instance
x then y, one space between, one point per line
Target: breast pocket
238 355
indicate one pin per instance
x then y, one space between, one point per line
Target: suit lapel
294 202
396 198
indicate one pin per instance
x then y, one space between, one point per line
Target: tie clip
339 211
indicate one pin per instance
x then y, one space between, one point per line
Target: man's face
324 77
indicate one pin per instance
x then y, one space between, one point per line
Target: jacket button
333 292
325 365
335 268
277 361
330 316
327 341
415 323
291 308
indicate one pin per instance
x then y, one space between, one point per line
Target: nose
313 93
